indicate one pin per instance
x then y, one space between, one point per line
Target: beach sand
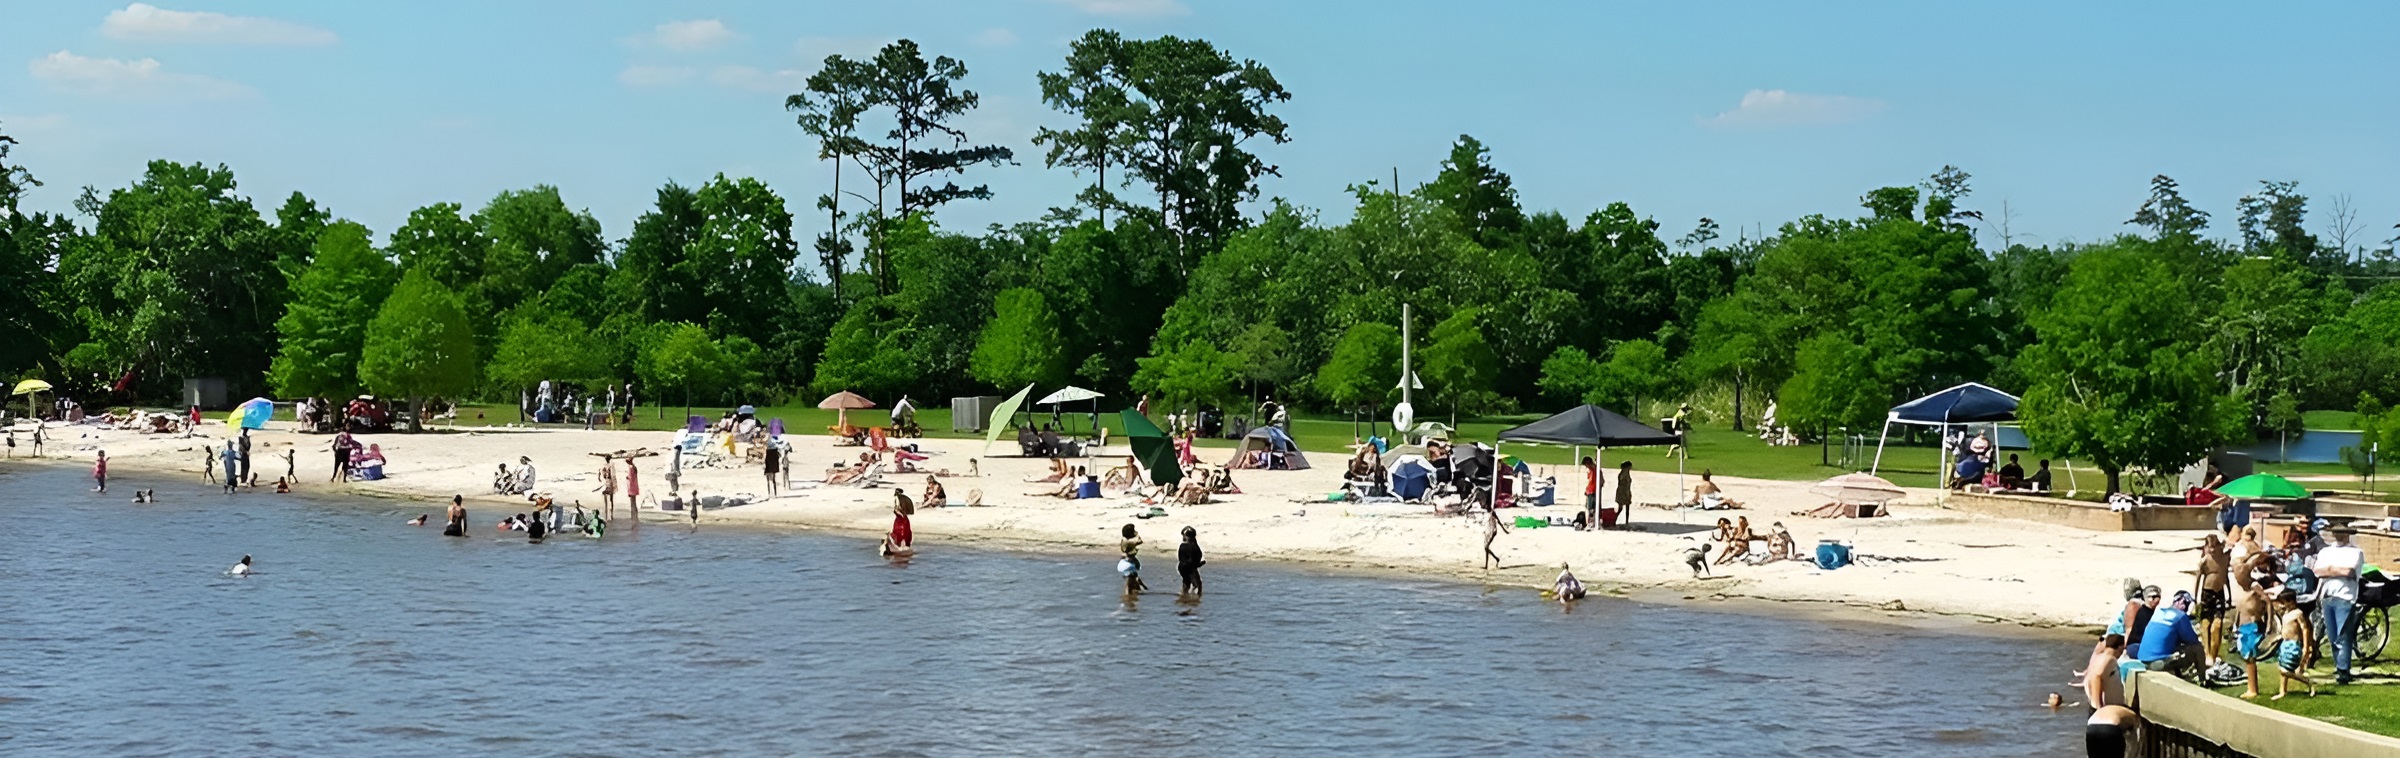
1921 559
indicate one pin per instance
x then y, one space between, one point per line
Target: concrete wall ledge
2082 515
2246 727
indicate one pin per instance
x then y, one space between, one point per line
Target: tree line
2138 350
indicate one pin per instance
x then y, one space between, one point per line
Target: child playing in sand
2297 637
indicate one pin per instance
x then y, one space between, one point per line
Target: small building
207 393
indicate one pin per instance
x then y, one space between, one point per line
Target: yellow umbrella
30 386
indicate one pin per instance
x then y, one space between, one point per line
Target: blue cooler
1832 555
1088 490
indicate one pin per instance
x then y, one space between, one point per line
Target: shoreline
1923 566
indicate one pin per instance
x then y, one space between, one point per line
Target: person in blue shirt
1970 471
2170 644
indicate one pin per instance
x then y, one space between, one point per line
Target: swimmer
1696 557
145 496
419 520
1568 589
283 486
457 524
240 569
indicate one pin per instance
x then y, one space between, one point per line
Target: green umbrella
2263 487
1153 448
1001 416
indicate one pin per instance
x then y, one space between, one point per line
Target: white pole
1405 374
1879 442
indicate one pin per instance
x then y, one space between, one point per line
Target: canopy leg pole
2071 485
1879 441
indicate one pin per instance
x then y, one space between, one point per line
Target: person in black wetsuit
456 525
1188 562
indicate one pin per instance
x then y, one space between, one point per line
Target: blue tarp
1968 403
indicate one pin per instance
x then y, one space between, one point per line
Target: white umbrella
1072 394
1859 488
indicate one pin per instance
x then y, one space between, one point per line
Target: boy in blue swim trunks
2250 617
2296 638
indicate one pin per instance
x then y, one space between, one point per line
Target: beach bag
1832 555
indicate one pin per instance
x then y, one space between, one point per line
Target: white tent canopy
1069 395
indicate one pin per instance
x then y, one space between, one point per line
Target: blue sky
1751 113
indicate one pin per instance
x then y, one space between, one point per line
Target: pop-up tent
1282 453
1598 427
1153 448
1969 403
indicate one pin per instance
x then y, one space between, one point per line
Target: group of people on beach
2274 602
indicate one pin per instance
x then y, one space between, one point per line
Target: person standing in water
1188 561
456 524
244 441
291 465
208 464
693 505
100 473
232 462
1130 564
633 491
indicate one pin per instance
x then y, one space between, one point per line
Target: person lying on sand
1708 496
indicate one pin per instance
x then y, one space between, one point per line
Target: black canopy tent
1598 427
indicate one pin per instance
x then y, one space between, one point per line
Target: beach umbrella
1153 448
252 413
1000 415
31 386
842 403
1859 488
2263 487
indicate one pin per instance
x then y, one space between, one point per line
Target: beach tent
1411 477
1153 448
1598 427
1074 394
1268 439
999 422
1969 403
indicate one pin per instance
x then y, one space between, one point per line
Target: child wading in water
100 472
1188 561
1131 564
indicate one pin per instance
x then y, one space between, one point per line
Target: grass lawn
2364 707
2329 420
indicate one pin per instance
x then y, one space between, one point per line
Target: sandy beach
1922 559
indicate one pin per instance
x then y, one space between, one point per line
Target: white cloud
1128 8
1771 108
995 37
688 36
143 79
756 80
816 48
144 22
655 76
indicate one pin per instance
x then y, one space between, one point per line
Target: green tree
1092 87
2167 214
324 331
1196 372
2114 377
1636 371
177 279
1179 115
684 358
2263 310
868 351
444 243
1482 198
1365 367
419 344
2355 351
923 100
1570 376
1459 363
836 96
1832 387
31 328
298 224
1021 344
537 346
1264 353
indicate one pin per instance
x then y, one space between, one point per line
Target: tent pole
1887 436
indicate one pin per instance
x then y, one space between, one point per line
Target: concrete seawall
2083 515
2245 727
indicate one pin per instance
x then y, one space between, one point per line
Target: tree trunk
2113 473
1737 402
833 230
414 403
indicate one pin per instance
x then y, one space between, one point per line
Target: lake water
361 636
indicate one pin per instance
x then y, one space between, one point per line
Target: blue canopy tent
1969 403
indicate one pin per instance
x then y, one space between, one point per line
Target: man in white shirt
2337 568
